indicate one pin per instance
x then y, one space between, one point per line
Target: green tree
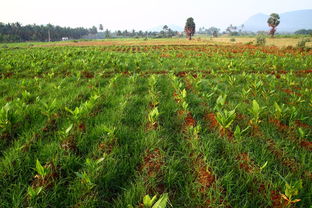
273 21
189 28
93 30
107 33
101 27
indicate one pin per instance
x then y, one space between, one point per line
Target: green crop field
104 126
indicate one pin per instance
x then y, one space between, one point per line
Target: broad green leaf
162 202
40 169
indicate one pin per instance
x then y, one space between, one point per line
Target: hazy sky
141 14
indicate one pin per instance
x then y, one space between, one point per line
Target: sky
141 14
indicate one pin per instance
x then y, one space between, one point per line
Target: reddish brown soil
6 75
205 176
278 124
50 126
152 105
301 124
107 146
69 144
181 113
181 74
211 118
151 126
153 161
245 163
256 131
290 92
87 74
307 145
82 127
176 97
189 120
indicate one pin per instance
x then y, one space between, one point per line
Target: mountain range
290 21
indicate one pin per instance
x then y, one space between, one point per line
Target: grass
87 115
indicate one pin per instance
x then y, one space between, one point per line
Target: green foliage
274 20
226 118
148 201
238 133
153 115
189 28
42 171
220 102
260 40
292 190
160 203
102 153
302 43
33 192
5 117
255 111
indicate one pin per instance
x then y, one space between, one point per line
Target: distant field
211 123
279 42
197 40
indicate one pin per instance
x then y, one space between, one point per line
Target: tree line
15 32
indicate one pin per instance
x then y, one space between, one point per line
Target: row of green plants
65 61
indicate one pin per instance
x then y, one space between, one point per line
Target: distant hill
290 21
172 27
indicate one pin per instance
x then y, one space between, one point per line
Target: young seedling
245 93
291 191
280 111
65 132
194 131
5 118
42 171
153 116
301 133
225 118
255 111
85 179
220 102
152 82
82 109
76 113
26 96
238 133
185 106
49 109
149 202
33 192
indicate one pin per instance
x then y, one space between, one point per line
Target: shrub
260 40
249 43
232 39
302 42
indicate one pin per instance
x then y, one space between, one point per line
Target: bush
249 43
302 42
232 39
260 40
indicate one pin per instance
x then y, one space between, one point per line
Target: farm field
281 42
104 125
